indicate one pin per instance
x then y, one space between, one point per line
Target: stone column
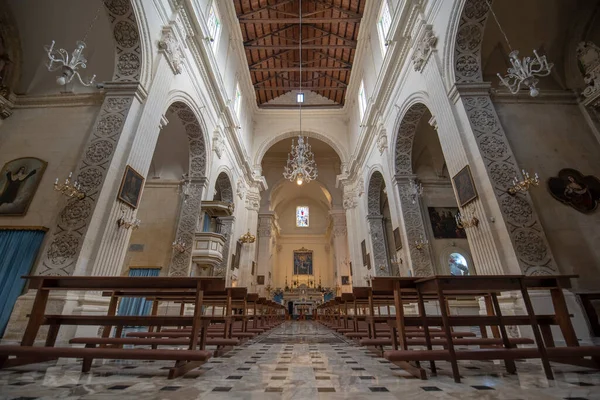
340 247
264 263
414 228
359 271
186 226
249 249
227 231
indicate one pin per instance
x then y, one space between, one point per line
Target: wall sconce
234 280
466 220
421 243
369 278
248 238
179 245
127 223
523 186
69 189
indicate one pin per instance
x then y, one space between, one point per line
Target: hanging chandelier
301 166
69 65
523 72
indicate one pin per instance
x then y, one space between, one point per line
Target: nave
299 360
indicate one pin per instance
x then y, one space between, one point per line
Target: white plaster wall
545 139
55 135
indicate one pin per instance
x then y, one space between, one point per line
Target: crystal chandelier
414 190
522 73
69 65
301 166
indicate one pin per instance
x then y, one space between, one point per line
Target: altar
302 301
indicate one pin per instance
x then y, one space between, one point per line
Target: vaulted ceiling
271 32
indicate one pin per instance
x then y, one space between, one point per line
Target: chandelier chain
498 23
89 29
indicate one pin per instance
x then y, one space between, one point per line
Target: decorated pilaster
412 215
249 249
349 204
227 231
266 234
186 226
340 248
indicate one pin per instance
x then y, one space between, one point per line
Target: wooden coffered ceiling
271 32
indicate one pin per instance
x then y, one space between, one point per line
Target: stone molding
170 47
423 48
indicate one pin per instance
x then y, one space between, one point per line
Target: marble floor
298 360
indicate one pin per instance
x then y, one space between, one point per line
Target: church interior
299 199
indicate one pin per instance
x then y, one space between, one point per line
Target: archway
376 201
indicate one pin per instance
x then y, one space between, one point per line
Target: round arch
376 185
224 187
266 145
405 135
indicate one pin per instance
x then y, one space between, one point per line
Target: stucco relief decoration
382 141
127 38
588 55
218 143
240 190
169 44
415 230
253 200
404 141
423 48
349 200
572 188
521 220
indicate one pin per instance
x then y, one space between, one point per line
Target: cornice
60 100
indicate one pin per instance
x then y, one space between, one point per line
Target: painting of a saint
572 188
464 186
19 180
303 262
131 187
443 223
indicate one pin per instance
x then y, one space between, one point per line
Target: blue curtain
206 225
18 250
137 305
328 296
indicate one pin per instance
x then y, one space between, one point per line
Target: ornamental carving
493 147
588 55
126 34
117 7
181 261
340 231
518 208
109 125
226 229
376 185
99 151
404 141
170 46
63 248
349 200
379 245
241 188
423 48
74 215
218 144
128 64
382 142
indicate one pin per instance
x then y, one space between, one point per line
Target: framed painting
464 186
131 187
238 254
253 268
19 180
572 188
260 280
443 223
363 249
350 266
397 239
368 261
345 280
303 262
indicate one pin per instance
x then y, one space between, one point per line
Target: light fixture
523 186
69 65
69 189
421 243
248 238
127 223
466 219
414 190
179 245
301 166
523 72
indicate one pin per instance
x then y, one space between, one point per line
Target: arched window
302 217
458 265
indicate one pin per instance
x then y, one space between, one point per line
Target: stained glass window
302 217
458 264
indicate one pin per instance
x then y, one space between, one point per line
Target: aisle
298 360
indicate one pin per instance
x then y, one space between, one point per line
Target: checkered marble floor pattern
298 360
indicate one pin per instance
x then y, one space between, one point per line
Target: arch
376 185
266 145
276 187
198 153
405 137
224 188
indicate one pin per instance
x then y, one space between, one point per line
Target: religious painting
443 223
260 280
363 248
464 186
19 180
571 187
350 267
303 262
237 255
397 239
131 187
345 280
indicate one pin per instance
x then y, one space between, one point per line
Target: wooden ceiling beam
339 60
334 79
337 8
349 41
255 40
297 20
304 47
271 57
295 69
313 88
272 7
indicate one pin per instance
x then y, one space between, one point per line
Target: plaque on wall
260 280
253 268
345 280
238 254
397 239
363 248
369 261
350 265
